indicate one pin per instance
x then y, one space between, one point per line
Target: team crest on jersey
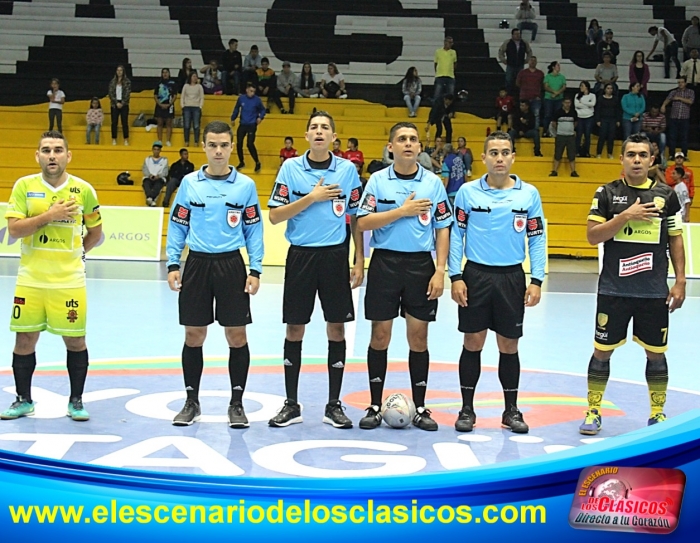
233 217
602 319
339 207
659 202
424 218
519 222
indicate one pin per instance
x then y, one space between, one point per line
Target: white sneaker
149 202
168 144
126 142
114 142
469 173
343 96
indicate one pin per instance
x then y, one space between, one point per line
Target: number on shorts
664 331
16 312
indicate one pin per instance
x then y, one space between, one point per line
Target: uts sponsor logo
462 217
252 215
181 215
281 194
443 211
636 264
535 227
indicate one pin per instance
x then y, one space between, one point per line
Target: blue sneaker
76 411
19 408
659 417
593 423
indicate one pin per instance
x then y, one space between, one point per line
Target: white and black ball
398 410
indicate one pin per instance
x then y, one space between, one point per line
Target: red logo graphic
234 219
338 207
284 191
182 212
19 301
251 212
461 215
354 195
532 224
72 316
371 201
519 223
441 207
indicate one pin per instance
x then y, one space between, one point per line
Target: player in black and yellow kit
637 219
50 212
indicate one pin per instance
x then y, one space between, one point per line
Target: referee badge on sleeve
443 211
233 217
424 218
355 195
519 222
339 207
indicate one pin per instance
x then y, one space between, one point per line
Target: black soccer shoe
466 420
513 421
289 414
372 419
236 416
191 412
335 416
423 421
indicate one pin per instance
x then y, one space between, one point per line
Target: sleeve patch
462 217
594 204
443 211
675 222
180 215
369 203
355 196
535 227
281 194
252 215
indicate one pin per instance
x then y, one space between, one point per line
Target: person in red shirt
288 151
504 109
354 155
689 180
337 151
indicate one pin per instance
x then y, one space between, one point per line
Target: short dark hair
514 31
232 40
56 79
636 138
321 113
253 47
354 142
54 134
680 171
399 126
684 78
184 150
249 85
653 28
264 59
498 135
217 127
526 102
290 138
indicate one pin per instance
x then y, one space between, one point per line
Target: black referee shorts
495 300
650 327
214 276
317 269
398 282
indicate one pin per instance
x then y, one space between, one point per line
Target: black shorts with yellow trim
649 328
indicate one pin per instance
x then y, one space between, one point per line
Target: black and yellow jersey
635 260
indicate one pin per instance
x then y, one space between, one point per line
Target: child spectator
56 100
337 151
441 114
411 88
267 85
94 119
504 109
288 151
354 155
453 172
678 175
466 154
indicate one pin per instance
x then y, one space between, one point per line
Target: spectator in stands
681 189
119 92
639 71
441 114
251 63
656 170
688 178
192 102
333 83
691 37
337 151
654 128
584 103
610 45
307 87
177 171
288 151
164 96
56 100
155 171
411 88
94 119
252 114
466 154
424 159
514 53
453 173
388 156
633 107
212 80
287 82
505 105
530 81
607 118
681 100
183 76
554 84
526 15
437 153
524 127
354 154
670 49
232 68
267 85
605 72
691 71
445 62
564 122
594 35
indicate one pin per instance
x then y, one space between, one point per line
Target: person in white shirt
155 173
670 49
333 83
526 15
56 100
681 189
584 102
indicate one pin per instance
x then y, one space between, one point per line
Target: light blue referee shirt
216 216
386 191
495 224
322 224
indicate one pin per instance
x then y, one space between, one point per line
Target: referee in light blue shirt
406 208
216 212
313 193
493 217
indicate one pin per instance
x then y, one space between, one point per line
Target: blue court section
135 386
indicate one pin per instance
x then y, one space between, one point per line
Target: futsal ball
398 410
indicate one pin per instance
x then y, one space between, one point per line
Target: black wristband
254 273
173 267
536 282
454 278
